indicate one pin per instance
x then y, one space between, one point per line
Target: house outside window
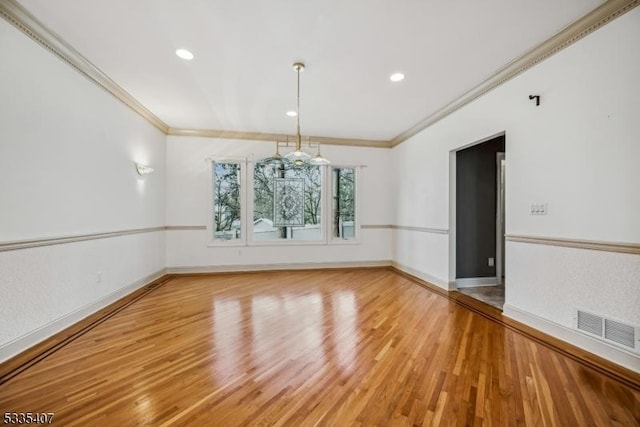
287 201
226 210
274 202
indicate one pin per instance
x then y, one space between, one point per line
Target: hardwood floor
335 347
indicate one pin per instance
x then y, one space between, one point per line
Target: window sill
284 243
225 244
344 242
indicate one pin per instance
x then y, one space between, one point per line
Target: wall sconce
143 169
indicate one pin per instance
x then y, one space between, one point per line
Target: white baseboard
20 344
275 267
475 282
614 354
424 276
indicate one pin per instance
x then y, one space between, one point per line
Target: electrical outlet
537 209
492 262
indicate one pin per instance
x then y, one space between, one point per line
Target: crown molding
324 140
584 26
23 20
273 137
20 18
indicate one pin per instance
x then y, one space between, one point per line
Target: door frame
452 203
500 211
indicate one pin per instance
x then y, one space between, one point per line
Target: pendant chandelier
298 156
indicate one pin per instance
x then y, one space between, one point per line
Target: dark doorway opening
480 220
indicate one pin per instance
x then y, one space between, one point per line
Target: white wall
579 151
187 199
67 152
66 167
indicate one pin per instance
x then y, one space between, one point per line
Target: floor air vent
609 330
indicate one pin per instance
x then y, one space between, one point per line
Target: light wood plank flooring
335 347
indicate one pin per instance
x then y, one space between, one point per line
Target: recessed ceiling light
184 54
291 113
396 77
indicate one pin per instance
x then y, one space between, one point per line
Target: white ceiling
241 78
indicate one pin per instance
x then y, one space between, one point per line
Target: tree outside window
226 201
344 203
264 174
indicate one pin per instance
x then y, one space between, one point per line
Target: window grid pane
226 201
343 203
306 197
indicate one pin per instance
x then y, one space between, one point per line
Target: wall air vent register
609 330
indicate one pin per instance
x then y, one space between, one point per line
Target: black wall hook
536 97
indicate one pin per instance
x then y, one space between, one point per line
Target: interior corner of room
523 195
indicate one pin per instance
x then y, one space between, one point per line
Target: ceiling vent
609 330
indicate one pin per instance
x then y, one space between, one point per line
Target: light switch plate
537 209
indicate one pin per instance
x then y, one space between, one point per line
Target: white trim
248 200
23 20
348 165
441 283
344 241
421 229
18 16
327 194
60 240
28 340
357 204
204 227
620 247
211 240
227 159
501 210
274 267
287 242
453 164
453 215
271 137
221 243
612 353
601 15
475 282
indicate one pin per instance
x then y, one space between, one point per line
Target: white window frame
211 240
246 207
285 242
329 205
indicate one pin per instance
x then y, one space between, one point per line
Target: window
226 218
287 202
343 203
271 201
